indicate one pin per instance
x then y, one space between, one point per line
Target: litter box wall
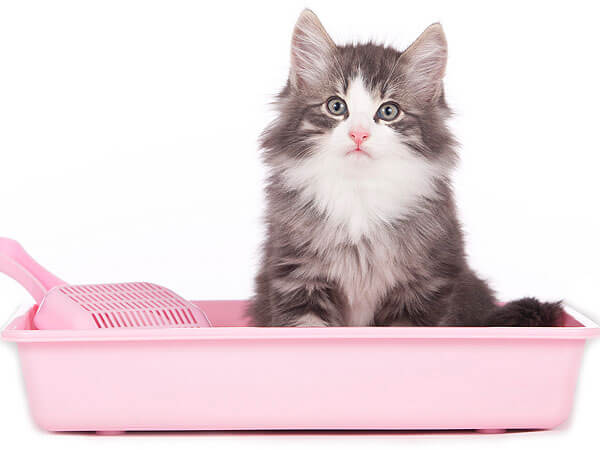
248 378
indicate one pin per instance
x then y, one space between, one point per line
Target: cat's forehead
374 68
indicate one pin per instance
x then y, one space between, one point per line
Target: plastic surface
119 305
17 264
232 376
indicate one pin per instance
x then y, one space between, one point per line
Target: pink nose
359 135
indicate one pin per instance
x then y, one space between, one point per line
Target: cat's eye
388 111
336 106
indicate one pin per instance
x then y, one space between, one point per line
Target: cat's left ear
424 64
312 51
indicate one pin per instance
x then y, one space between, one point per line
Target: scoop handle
17 264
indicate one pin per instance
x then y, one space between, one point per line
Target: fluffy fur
371 237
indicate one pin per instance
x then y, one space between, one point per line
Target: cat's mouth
359 152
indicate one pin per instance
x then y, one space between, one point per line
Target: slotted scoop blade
118 305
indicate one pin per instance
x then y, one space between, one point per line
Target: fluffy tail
526 312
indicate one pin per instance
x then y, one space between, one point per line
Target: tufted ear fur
424 64
312 50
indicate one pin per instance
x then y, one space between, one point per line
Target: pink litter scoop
118 305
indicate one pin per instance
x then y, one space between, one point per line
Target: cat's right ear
312 50
424 64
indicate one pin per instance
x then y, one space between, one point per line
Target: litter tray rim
16 331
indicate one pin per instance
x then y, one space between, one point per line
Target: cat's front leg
306 303
409 306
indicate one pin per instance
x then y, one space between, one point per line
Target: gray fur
413 268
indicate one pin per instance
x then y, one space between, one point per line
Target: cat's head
363 118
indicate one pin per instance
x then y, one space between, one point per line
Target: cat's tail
526 312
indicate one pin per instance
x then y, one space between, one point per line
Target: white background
128 145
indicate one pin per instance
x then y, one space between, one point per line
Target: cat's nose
359 135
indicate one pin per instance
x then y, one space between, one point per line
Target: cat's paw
309 320
526 312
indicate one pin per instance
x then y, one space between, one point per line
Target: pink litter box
235 377
230 376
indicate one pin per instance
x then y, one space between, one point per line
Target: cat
362 227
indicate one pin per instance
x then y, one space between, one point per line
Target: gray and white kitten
361 221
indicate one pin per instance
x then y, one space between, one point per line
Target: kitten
361 222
